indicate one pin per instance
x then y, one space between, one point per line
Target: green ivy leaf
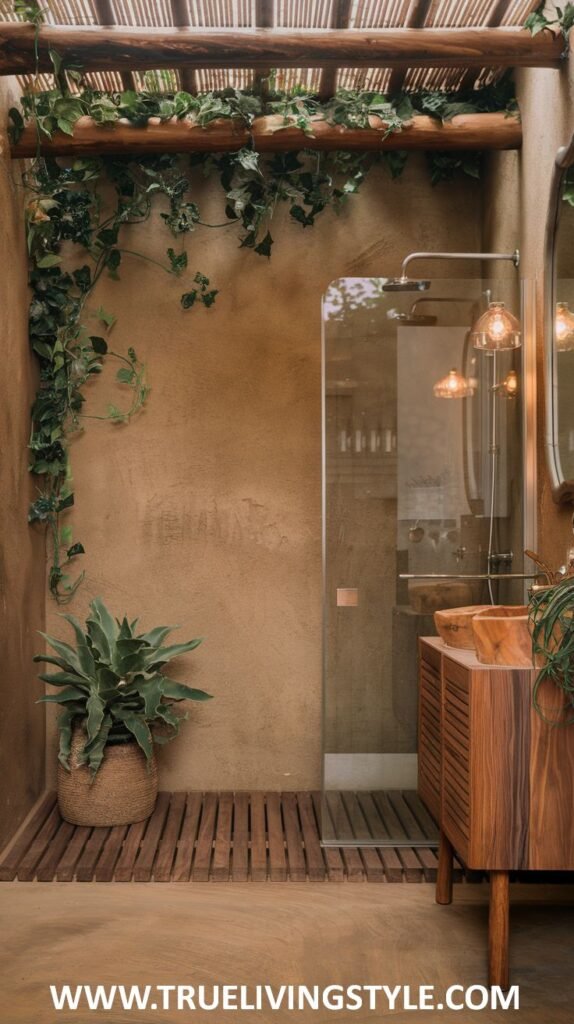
264 247
99 344
51 260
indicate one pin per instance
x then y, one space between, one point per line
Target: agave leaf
165 712
99 640
125 632
63 697
180 691
106 620
77 627
138 727
64 679
97 748
165 654
65 722
83 651
50 660
152 691
95 708
67 653
156 636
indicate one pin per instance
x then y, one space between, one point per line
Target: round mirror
559 340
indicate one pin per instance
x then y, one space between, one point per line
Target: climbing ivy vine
70 334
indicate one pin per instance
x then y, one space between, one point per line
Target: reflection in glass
412 486
564 327
453 386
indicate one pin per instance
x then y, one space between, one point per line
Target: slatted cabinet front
483 742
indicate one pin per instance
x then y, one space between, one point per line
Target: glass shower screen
422 492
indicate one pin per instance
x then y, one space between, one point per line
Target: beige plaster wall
207 510
21 551
515 205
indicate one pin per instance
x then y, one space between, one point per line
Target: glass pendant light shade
454 385
564 327
496 330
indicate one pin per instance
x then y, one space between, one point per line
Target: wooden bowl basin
502 636
454 625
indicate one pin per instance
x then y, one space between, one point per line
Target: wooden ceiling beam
135 49
105 13
416 18
181 19
340 19
466 131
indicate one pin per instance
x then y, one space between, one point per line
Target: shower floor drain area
224 837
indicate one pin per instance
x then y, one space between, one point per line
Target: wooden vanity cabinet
497 777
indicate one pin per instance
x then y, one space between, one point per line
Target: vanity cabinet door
456 762
429 764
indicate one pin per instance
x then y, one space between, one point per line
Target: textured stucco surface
206 511
515 205
21 551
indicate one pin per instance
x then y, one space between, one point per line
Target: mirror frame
562 489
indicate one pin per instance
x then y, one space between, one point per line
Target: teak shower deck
224 837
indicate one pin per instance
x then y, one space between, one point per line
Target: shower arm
513 257
476 576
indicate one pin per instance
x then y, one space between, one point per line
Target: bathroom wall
515 206
21 550
206 510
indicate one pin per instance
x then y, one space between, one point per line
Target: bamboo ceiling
358 14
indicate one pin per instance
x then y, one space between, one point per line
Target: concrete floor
277 934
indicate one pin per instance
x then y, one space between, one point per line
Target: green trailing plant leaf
64 206
110 684
551 617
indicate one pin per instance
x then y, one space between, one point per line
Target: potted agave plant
117 703
551 620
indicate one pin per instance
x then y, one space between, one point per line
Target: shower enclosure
425 506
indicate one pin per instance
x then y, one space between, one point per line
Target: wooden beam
180 15
104 11
100 49
466 131
415 19
340 19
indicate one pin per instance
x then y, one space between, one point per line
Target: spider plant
551 617
112 683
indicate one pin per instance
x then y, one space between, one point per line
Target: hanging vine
64 205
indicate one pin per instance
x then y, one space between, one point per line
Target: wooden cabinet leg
498 921
444 872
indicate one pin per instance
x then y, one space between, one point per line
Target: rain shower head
405 284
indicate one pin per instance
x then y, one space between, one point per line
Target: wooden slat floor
238 837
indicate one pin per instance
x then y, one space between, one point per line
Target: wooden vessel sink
502 636
454 625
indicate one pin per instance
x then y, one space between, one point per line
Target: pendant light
496 330
564 327
454 385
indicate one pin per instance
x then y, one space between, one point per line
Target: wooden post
139 49
416 18
339 19
105 14
444 871
498 925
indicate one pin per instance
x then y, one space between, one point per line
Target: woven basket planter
123 791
